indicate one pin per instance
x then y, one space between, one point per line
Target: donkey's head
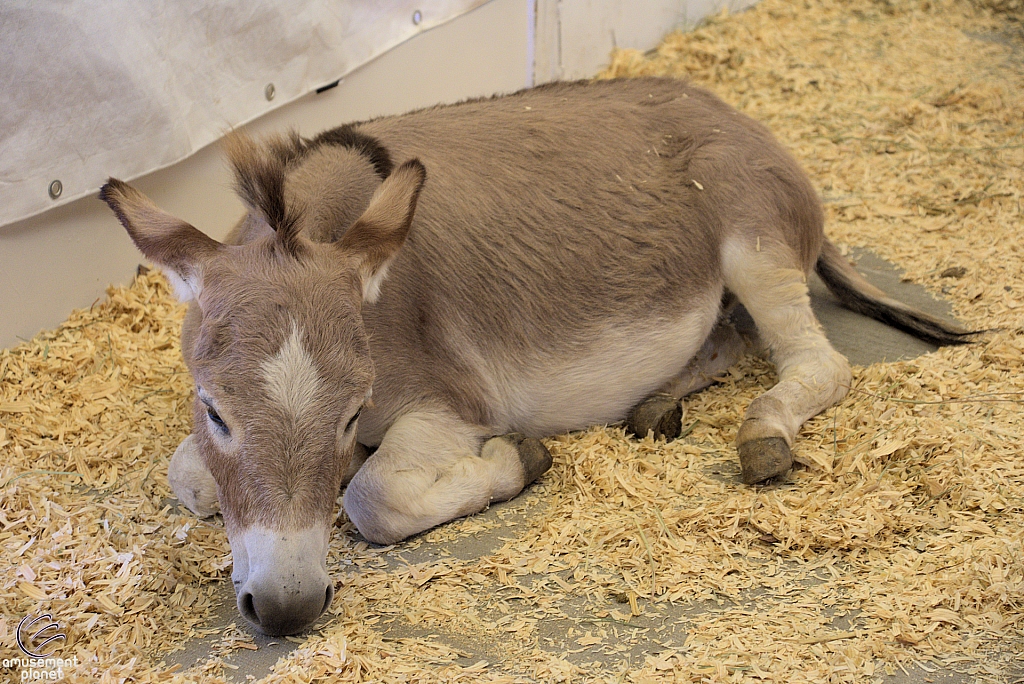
276 345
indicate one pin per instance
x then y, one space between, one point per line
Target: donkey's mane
261 168
366 145
260 171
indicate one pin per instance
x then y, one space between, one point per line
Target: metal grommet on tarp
56 187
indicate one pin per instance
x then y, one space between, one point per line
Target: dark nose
282 610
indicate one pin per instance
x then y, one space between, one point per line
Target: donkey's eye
216 419
352 420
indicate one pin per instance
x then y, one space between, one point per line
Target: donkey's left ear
177 247
377 235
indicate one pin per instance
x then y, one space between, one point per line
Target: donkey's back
565 260
490 272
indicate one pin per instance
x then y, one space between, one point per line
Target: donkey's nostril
280 614
248 609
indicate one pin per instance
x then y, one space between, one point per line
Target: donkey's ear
177 247
376 235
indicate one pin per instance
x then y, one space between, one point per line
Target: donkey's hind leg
661 413
432 467
812 375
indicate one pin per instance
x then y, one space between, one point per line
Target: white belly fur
599 386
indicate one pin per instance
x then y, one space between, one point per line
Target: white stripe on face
290 376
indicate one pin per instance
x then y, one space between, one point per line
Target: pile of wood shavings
89 415
897 544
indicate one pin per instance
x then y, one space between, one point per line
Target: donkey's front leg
432 467
191 480
661 413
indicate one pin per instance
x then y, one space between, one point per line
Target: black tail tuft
857 294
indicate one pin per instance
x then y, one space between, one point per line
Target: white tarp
91 89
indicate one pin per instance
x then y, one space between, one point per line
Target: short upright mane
261 168
366 145
260 171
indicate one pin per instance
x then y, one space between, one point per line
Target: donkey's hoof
660 413
763 458
534 456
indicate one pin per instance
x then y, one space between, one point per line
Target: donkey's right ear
177 247
377 235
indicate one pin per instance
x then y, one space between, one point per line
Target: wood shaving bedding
896 544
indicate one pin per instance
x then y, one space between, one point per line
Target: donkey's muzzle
281 579
279 611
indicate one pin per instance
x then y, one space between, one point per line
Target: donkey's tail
857 294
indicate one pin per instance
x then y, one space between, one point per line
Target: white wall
65 258
575 37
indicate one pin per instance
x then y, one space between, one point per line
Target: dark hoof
534 456
660 413
764 458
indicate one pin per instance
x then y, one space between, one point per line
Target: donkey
561 257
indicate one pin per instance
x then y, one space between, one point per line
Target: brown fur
565 254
